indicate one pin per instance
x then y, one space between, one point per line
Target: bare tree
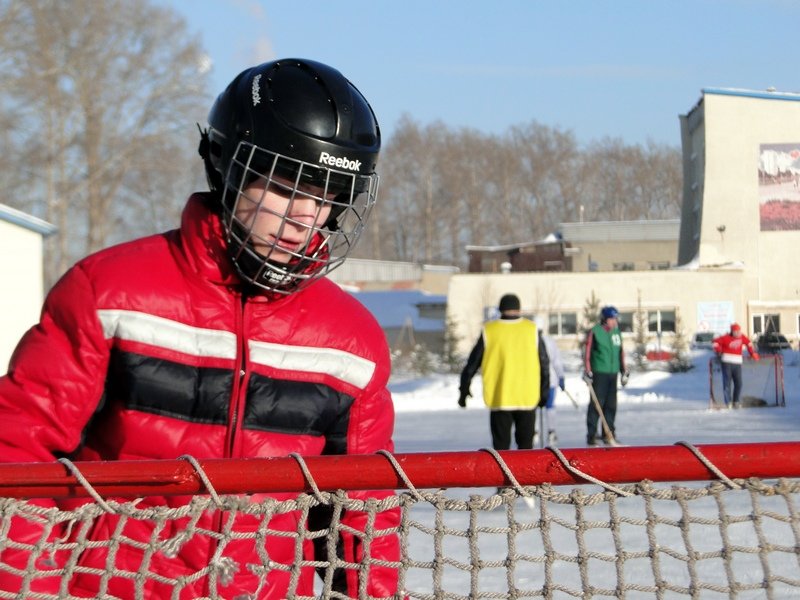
101 100
549 171
632 182
443 189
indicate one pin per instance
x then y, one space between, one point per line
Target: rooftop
17 217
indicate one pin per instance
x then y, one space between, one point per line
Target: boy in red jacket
729 350
222 339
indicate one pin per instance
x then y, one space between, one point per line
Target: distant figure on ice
604 359
556 381
516 375
729 351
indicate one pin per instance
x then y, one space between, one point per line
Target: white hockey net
725 539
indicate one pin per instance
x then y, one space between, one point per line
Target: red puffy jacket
148 350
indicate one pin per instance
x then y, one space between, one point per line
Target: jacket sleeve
587 355
53 386
556 362
56 376
544 371
472 366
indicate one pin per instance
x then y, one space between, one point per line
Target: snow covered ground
656 408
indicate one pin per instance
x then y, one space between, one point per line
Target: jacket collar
203 242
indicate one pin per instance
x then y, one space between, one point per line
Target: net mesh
696 540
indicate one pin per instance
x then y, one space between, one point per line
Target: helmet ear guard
204 150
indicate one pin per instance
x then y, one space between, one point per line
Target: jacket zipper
239 389
233 411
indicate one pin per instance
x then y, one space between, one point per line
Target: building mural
779 187
715 317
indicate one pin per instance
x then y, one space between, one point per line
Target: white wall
542 293
23 287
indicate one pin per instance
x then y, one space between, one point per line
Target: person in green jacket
604 359
516 375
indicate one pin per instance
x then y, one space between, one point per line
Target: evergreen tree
680 346
591 312
451 361
421 360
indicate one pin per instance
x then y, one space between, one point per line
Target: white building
22 274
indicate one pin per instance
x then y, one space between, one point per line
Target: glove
462 399
624 379
561 384
587 377
755 356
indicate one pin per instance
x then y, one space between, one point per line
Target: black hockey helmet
301 122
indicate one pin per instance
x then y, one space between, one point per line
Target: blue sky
623 69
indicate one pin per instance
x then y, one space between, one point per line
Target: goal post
762 382
385 471
714 520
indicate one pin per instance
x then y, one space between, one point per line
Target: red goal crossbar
424 470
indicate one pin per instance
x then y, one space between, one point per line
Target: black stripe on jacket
202 395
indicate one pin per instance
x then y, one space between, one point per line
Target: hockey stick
540 420
612 441
570 396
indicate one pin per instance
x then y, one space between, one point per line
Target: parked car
702 339
772 342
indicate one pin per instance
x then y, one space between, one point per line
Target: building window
766 322
625 322
661 321
661 265
623 266
553 265
565 323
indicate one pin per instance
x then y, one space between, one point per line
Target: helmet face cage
289 222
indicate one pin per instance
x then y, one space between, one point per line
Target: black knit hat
509 302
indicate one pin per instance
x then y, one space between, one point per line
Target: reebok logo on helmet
254 90
341 162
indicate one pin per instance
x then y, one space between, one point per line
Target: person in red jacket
223 339
729 350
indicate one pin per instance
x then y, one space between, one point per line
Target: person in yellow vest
516 375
